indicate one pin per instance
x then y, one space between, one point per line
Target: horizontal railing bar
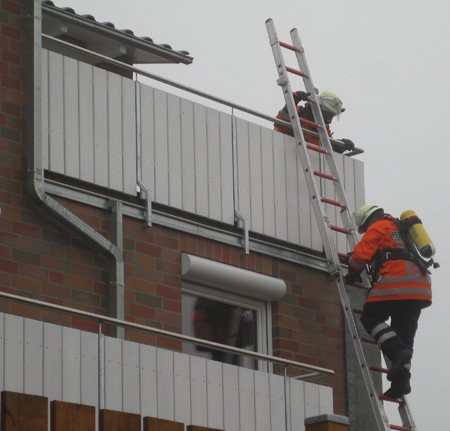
185 88
160 332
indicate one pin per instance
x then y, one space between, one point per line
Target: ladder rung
339 229
316 148
398 427
357 311
343 256
392 400
331 202
310 123
368 340
322 175
295 72
379 369
285 45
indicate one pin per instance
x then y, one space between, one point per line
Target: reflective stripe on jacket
397 279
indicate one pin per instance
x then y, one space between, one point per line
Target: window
228 305
225 318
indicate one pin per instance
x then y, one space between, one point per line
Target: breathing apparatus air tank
418 234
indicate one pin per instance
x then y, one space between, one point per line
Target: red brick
26 257
56 277
26 311
141 285
12 7
57 291
86 271
26 283
151 250
3 119
10 32
85 324
332 332
168 317
9 266
78 282
169 267
78 256
11 57
11 108
149 274
9 82
140 310
310 304
168 292
55 264
33 271
171 305
141 259
25 229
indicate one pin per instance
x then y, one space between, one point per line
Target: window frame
263 312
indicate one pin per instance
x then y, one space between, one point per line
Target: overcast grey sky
389 62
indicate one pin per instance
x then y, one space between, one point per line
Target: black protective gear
400 385
301 96
400 359
349 145
353 277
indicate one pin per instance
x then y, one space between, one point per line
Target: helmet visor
360 218
331 104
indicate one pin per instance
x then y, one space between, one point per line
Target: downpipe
35 173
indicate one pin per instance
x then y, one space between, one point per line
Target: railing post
101 369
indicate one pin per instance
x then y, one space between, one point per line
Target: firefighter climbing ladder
324 225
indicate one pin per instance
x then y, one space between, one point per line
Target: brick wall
42 260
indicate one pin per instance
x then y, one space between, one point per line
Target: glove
300 95
349 145
353 277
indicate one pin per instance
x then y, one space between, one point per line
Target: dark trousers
404 316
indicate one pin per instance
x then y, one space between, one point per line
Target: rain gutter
35 173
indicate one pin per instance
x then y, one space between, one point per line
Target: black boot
400 385
401 357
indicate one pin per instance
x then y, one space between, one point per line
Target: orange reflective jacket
397 279
283 115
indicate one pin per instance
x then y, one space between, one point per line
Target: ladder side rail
377 407
321 217
406 414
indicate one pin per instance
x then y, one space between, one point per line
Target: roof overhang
104 39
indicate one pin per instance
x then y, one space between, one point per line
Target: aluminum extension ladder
323 222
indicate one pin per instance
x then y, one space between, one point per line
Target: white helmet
330 105
363 214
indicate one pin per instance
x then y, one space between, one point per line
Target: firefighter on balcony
401 288
330 105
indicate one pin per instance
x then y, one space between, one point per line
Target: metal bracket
148 203
245 241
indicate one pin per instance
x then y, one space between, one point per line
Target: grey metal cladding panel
113 374
33 357
115 130
188 156
230 397
71 121
262 402
128 163
279 179
56 113
86 118
52 361
199 406
243 172
148 376
247 399
130 377
214 395
165 382
71 365
182 388
89 369
201 160
255 171
226 167
277 403
13 353
268 183
214 165
174 150
297 396
360 198
45 113
292 192
100 90
148 137
161 190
